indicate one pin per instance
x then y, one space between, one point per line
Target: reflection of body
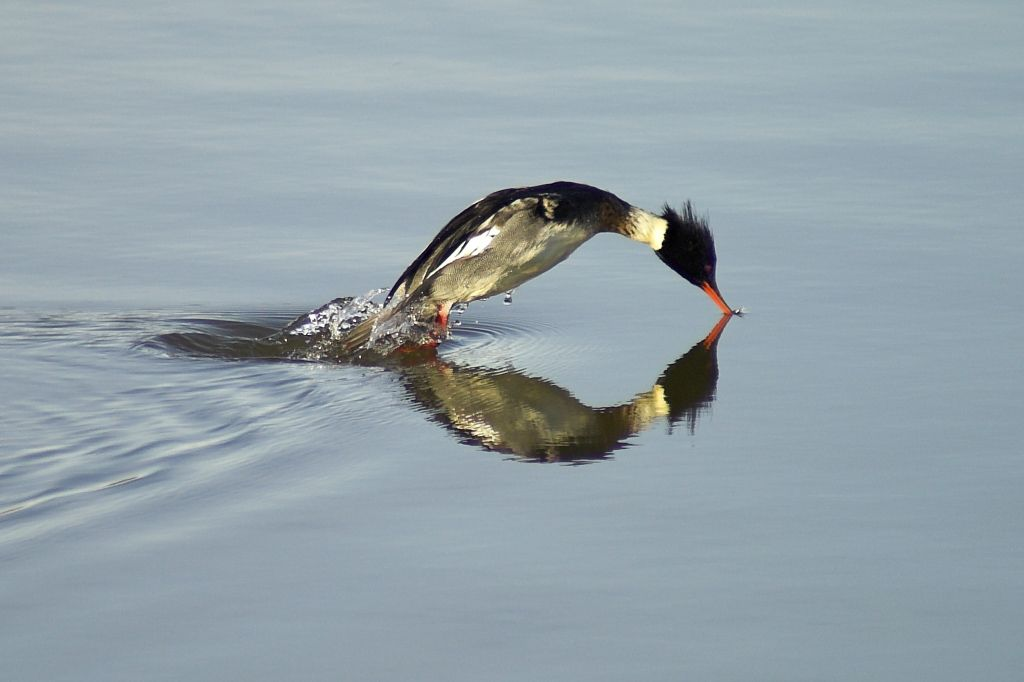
504 411
513 235
509 412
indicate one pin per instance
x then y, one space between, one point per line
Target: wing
466 235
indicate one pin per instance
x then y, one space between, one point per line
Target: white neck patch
646 228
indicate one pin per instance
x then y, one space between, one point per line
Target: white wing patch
473 246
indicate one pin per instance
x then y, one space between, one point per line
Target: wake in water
323 334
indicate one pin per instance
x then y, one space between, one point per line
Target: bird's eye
708 268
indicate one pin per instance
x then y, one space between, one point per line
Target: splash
335 319
351 329
458 310
338 330
403 327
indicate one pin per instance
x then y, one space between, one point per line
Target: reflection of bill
532 418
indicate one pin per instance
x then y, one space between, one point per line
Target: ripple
481 332
102 416
498 341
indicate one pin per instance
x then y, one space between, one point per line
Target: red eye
708 269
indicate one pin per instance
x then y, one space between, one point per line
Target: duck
513 235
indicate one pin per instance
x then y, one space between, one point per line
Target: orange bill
712 291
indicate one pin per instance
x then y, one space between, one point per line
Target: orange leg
413 354
441 321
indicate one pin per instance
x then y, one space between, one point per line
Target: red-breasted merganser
513 235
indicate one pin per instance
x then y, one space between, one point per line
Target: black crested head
688 247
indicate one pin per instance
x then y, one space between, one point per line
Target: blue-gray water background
847 507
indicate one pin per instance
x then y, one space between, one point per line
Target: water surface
576 486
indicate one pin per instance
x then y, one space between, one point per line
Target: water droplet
508 296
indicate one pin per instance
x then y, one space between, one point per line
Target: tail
414 321
359 337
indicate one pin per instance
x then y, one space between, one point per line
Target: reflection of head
690 381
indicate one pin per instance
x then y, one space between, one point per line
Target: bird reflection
535 420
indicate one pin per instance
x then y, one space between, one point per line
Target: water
575 486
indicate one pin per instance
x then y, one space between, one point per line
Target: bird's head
689 249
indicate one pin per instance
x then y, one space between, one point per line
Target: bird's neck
644 227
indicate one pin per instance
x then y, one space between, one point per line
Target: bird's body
513 235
